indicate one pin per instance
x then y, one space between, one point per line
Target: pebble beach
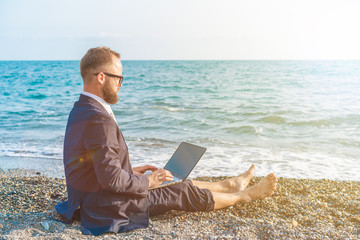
299 209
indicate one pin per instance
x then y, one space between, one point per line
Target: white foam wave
169 109
27 151
291 163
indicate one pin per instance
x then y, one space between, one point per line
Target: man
110 194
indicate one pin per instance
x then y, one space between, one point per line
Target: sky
181 29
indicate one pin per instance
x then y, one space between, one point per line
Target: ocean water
295 118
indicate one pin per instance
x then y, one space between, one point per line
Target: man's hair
96 57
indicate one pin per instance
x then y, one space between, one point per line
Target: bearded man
109 193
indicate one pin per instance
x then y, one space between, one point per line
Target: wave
23 113
272 119
149 142
332 121
240 130
169 109
326 122
35 153
36 96
348 142
254 114
314 123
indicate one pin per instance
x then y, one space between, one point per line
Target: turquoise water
296 118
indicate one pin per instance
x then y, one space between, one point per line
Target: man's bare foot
240 182
264 188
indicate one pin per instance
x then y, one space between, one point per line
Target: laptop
182 163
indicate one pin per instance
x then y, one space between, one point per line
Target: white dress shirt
102 102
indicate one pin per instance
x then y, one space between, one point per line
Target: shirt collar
101 101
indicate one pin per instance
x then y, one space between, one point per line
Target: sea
298 119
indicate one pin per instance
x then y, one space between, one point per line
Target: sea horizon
78 60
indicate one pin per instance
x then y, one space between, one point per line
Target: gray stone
45 225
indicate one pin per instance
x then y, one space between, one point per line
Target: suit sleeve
108 155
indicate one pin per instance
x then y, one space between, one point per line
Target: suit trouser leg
182 196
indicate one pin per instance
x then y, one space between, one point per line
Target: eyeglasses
119 78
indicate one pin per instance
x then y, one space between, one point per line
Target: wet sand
299 209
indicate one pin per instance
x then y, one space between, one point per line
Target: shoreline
299 208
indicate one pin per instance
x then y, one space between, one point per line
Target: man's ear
101 78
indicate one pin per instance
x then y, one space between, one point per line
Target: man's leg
261 190
182 196
232 185
232 191
205 196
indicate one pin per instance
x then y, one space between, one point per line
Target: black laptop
182 162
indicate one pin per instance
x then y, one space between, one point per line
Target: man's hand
158 177
143 169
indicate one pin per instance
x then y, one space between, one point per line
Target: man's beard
110 96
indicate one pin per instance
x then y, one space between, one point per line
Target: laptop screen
184 159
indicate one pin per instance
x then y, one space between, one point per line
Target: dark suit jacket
99 175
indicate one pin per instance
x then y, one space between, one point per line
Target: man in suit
109 193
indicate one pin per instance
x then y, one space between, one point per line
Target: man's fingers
167 175
164 172
145 168
159 176
164 175
152 168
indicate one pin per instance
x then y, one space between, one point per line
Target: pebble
45 225
338 224
318 211
294 223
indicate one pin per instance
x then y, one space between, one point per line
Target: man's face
111 86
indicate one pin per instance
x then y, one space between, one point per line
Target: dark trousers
182 196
